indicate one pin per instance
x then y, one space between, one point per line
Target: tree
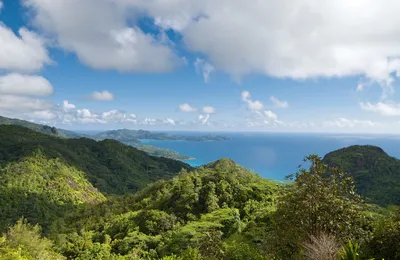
322 199
23 241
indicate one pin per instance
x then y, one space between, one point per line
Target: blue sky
209 65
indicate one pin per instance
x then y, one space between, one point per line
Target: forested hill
110 166
220 211
128 137
40 128
376 174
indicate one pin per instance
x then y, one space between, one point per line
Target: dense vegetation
110 166
55 204
376 174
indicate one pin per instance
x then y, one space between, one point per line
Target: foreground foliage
81 194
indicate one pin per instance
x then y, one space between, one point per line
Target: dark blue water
273 155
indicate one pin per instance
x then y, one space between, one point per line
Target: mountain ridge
375 173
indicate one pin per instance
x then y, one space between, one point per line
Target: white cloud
349 123
26 52
186 108
209 110
382 108
205 68
116 116
1 6
85 113
279 103
253 105
170 121
17 84
101 34
67 106
270 115
301 39
21 103
102 96
203 119
43 115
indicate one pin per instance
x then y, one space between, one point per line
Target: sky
210 65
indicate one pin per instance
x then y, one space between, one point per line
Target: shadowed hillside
376 174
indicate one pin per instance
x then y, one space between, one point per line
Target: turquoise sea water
273 155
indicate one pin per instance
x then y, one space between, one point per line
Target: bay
272 155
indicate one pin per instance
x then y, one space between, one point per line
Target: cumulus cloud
186 108
253 105
278 103
209 110
102 96
116 116
67 106
382 108
22 103
18 84
102 35
23 52
270 115
43 115
304 39
205 68
259 117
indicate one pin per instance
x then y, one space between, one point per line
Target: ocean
272 155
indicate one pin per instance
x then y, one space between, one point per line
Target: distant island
133 136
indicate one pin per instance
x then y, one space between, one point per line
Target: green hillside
177 216
376 174
40 128
128 137
82 199
110 166
40 189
